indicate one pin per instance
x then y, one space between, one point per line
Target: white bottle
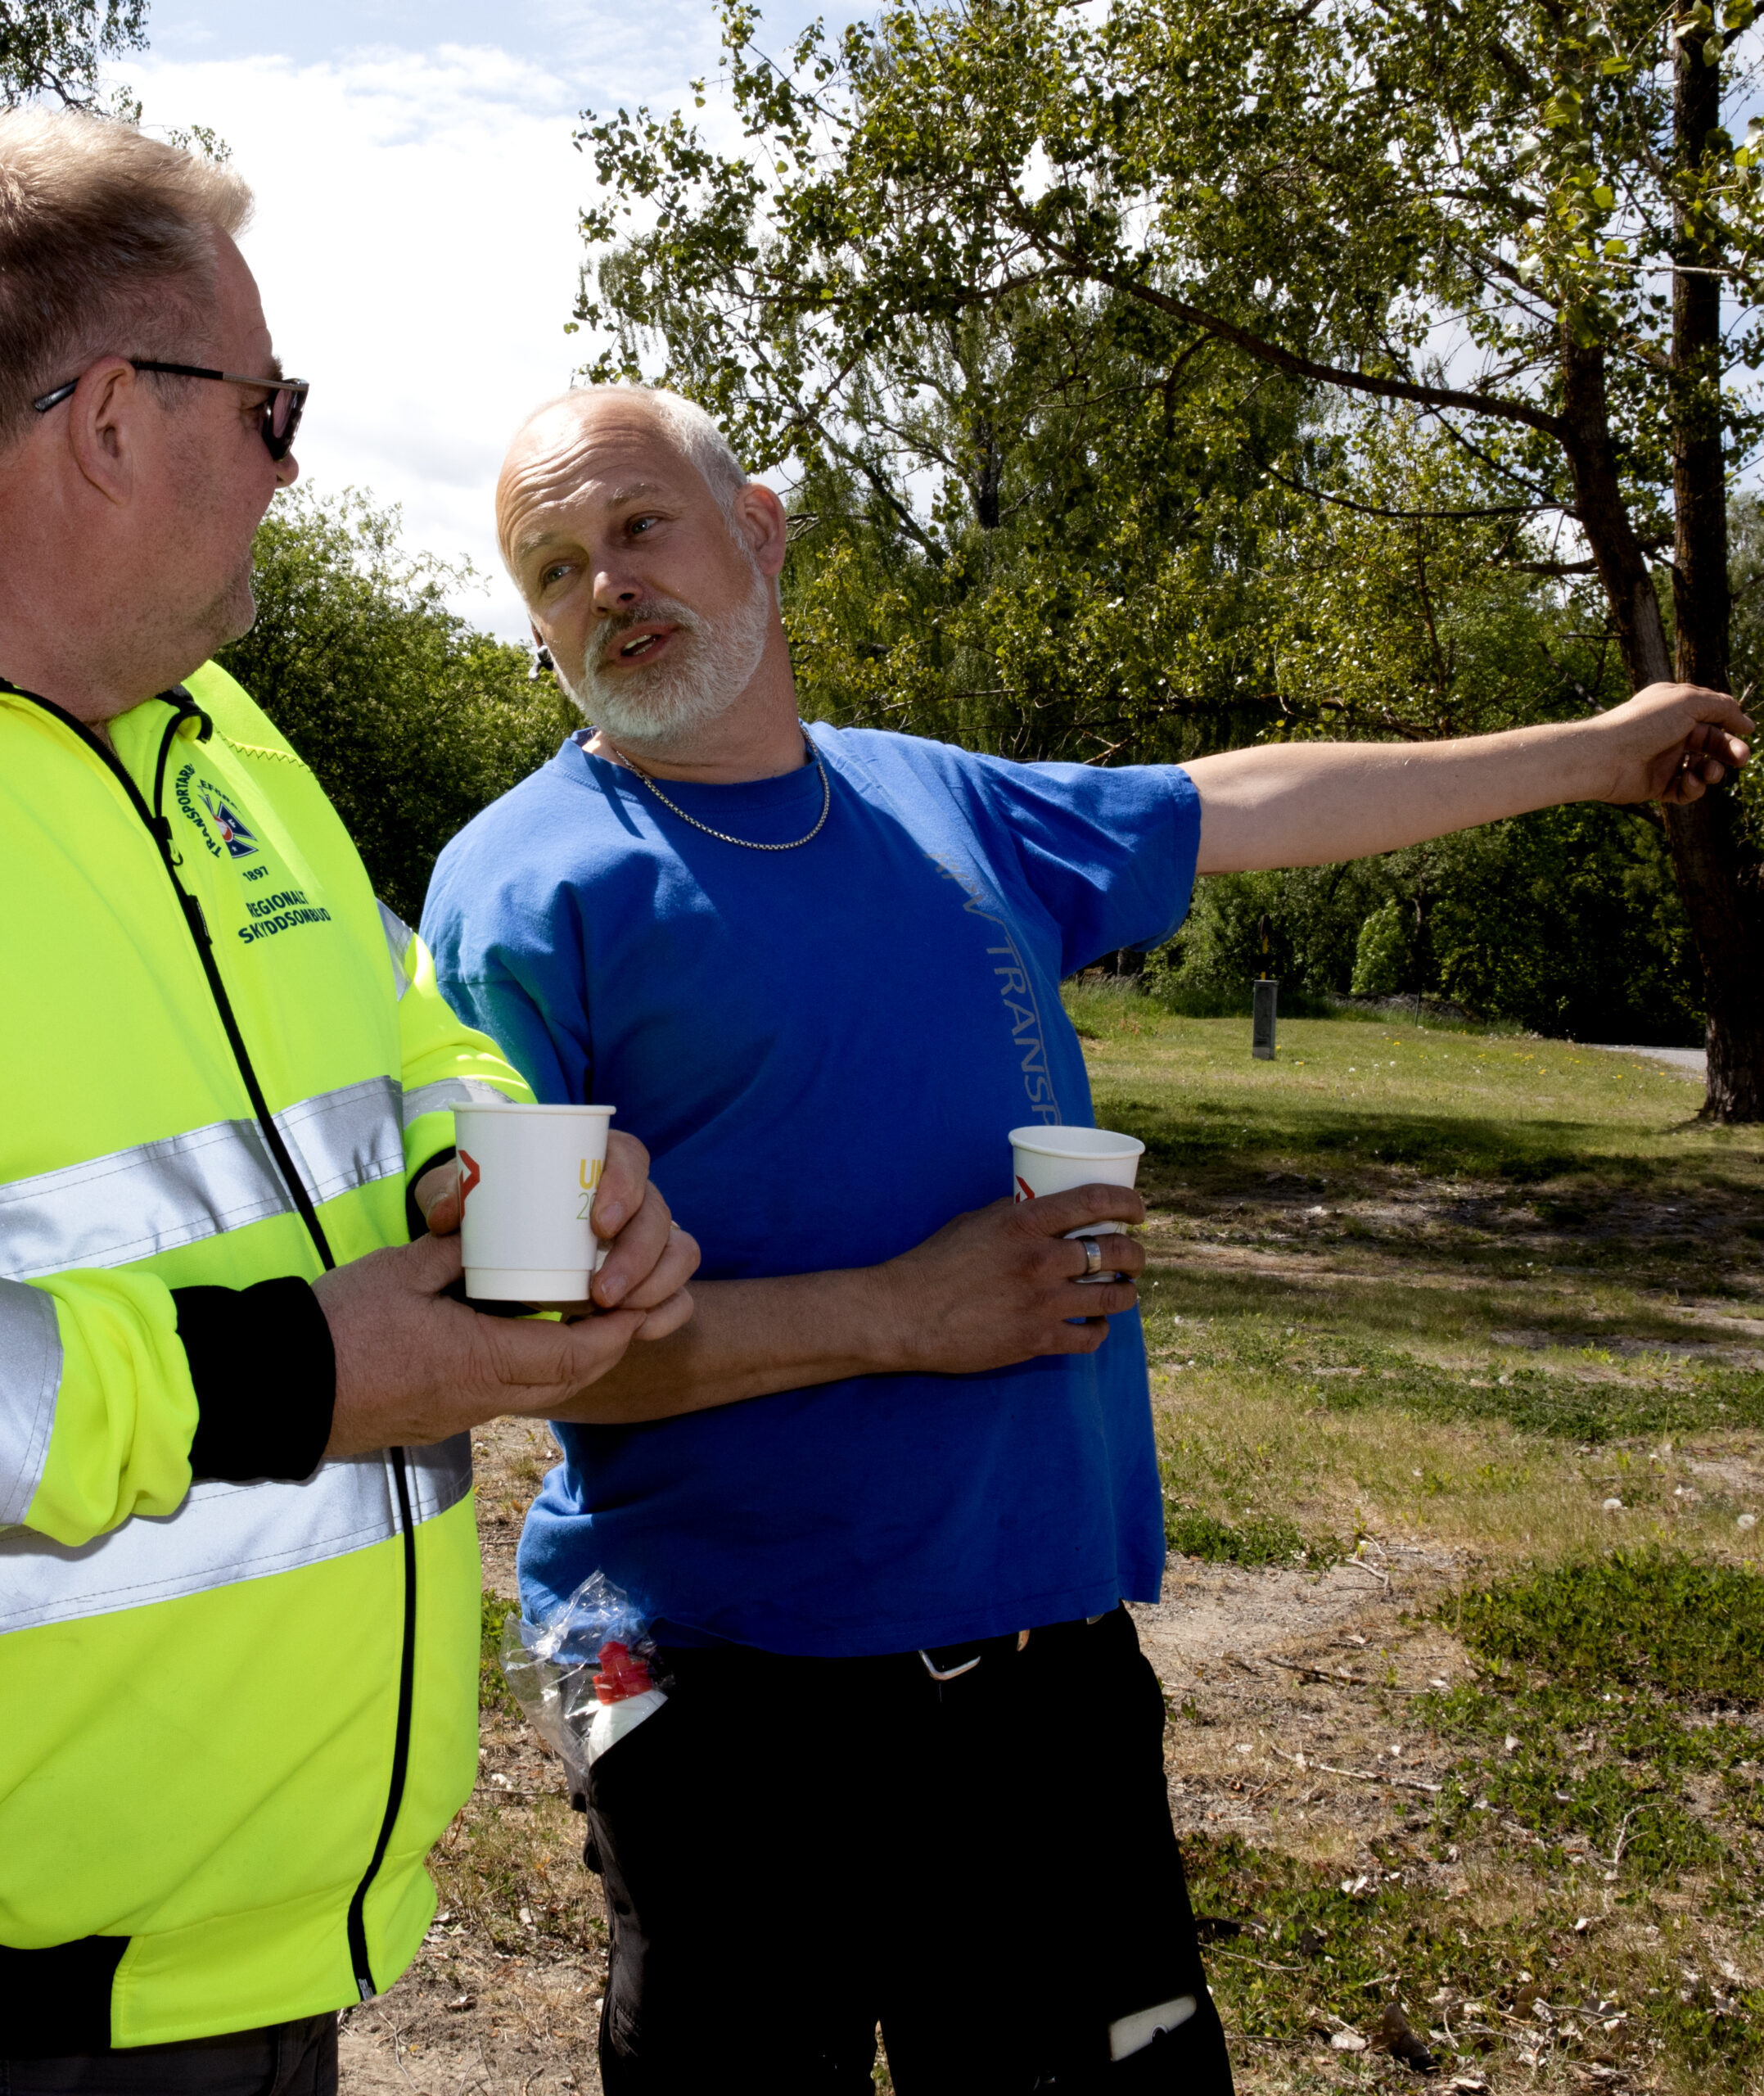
626 1696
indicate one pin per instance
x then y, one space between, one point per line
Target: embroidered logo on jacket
239 841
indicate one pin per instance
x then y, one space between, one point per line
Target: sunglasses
281 411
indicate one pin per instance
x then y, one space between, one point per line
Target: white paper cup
527 1174
1053 1160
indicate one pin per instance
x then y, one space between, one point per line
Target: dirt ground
1287 1690
1265 1671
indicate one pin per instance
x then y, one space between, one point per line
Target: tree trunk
989 475
1604 514
1717 876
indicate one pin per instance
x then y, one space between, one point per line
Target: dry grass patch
1250 1455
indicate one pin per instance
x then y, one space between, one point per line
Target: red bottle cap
621 1674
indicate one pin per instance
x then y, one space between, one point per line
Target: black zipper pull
198 924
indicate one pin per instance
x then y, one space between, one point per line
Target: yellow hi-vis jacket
238 1691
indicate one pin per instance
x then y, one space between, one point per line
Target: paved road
1689 1063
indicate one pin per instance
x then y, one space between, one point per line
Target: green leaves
411 721
59 47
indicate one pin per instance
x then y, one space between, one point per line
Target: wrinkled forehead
571 467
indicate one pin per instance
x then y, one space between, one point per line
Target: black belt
943 1663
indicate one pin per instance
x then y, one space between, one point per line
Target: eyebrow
533 542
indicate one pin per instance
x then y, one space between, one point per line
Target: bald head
552 439
648 560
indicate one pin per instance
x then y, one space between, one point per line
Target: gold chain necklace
722 836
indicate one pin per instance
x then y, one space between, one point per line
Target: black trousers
796 1850
284 2059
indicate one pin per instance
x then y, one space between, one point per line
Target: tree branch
1323 374
1417 516
1651 544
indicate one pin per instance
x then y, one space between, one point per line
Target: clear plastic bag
585 1678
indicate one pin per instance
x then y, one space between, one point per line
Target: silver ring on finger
1093 1258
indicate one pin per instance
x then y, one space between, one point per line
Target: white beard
706 667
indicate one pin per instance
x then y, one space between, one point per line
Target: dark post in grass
1261 1037
1267 989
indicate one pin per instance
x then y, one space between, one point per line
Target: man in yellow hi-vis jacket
238 1569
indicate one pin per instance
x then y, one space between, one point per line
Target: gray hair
694 432
689 428
106 244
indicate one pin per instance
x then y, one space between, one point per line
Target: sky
415 236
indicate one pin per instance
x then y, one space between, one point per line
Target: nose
288 471
616 587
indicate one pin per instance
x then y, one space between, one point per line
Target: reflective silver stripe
113 1210
450 1091
223 1534
399 936
347 1138
31 1375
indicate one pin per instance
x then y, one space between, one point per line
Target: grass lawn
1457 1748
1483 1317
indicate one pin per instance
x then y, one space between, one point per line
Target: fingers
537 1365
646 1248
437 1196
1055 1215
1119 1255
1715 708
1709 745
678 1263
667 1316
1719 712
1694 775
431 1263
623 1181
1096 1299
1078 1335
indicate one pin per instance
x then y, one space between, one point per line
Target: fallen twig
1217 1951
1320 1673
1362 1775
1342 1680
1622 1836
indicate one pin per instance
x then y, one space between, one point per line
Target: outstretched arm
1309 804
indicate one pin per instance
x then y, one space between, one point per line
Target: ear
765 526
106 430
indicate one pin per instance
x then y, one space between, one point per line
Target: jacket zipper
159 828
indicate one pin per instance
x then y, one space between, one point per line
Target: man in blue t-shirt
910 1770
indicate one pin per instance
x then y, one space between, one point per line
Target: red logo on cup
1025 1191
470 1176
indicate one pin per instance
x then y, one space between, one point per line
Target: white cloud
416 232
416 243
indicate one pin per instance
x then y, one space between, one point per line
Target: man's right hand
414 1366
1002 1284
989 1290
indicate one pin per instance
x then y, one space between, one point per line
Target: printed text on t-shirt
1015 989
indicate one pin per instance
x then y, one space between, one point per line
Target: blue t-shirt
825 1051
